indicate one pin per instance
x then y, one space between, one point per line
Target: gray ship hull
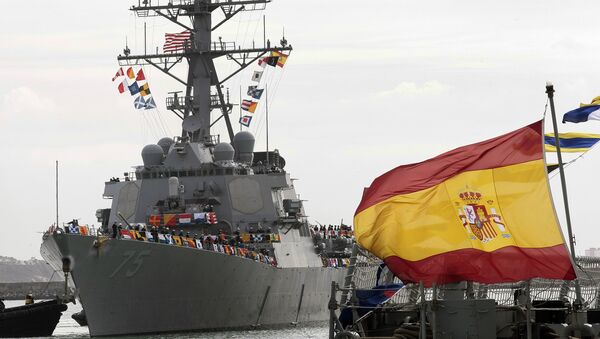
128 287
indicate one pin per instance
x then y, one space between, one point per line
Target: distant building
592 252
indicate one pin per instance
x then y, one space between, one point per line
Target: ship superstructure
225 242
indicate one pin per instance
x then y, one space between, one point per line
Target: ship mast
203 86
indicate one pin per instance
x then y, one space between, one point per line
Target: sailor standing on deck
154 233
114 230
29 299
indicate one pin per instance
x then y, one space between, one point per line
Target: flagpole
563 181
267 121
56 193
240 107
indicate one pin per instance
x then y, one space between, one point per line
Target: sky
366 88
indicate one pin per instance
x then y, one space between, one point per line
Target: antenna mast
267 122
203 85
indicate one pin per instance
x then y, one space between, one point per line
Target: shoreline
39 290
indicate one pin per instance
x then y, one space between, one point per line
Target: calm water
68 328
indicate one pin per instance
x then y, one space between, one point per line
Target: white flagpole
56 193
267 121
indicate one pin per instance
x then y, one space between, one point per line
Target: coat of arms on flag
478 222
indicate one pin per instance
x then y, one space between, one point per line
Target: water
68 328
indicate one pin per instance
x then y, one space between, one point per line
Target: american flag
176 41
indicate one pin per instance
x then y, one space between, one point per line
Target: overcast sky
367 88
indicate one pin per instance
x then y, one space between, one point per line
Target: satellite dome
165 143
224 152
152 155
243 142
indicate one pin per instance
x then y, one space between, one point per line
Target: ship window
145 175
182 173
219 171
211 172
229 171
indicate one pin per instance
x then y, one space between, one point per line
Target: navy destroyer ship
213 234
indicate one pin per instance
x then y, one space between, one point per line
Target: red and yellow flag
481 212
281 58
170 220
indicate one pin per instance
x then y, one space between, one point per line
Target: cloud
413 89
569 45
24 100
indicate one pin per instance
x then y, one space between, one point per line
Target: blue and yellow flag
571 142
585 112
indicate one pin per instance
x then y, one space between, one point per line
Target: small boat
33 320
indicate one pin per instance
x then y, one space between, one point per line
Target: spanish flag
481 212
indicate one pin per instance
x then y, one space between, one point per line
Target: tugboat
35 319
206 234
